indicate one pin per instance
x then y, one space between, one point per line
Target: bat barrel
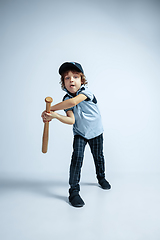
45 138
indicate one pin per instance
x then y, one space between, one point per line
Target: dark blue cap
70 66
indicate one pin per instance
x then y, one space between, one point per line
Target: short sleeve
88 94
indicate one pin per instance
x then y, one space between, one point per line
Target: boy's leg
96 145
75 170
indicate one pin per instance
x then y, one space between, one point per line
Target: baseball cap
70 66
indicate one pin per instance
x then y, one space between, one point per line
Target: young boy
82 112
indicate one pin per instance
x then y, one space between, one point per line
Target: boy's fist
47 117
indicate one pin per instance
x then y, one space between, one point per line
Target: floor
35 207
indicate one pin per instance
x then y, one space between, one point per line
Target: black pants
96 146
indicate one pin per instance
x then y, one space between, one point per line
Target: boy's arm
69 119
69 103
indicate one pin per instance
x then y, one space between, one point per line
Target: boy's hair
83 78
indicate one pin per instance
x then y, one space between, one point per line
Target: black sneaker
75 200
104 183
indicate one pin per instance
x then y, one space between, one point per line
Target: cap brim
68 66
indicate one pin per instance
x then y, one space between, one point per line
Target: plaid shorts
96 146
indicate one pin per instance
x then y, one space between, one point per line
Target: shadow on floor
89 184
47 188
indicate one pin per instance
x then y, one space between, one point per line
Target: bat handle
48 101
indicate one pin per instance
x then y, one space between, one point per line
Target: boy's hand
43 116
47 117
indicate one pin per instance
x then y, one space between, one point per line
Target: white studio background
117 43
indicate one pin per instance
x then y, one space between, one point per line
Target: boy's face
72 81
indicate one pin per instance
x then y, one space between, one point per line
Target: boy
82 112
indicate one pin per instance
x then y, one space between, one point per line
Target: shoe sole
77 206
104 188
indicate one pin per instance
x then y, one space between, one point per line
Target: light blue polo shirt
88 121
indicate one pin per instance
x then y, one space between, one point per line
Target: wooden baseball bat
48 101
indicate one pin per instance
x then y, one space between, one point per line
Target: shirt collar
81 89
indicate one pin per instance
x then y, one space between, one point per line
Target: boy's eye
66 78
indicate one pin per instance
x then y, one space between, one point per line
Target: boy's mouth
72 85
